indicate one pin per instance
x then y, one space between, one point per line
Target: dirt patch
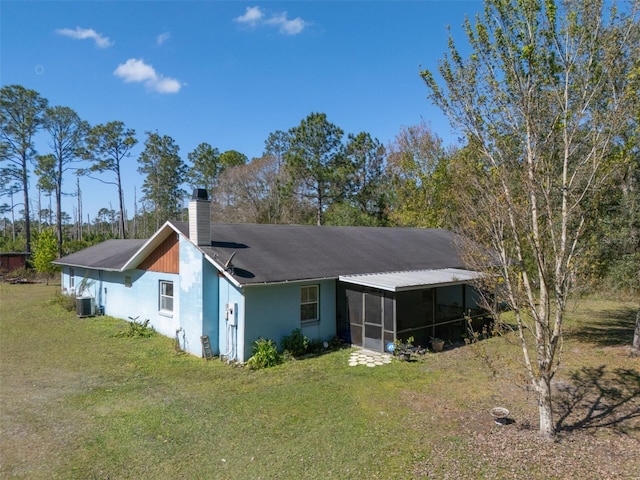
517 451
597 411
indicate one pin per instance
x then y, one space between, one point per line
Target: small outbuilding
10 261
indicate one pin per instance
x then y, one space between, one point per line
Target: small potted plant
403 350
437 344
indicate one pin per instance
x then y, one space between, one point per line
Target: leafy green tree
316 162
611 258
164 173
346 213
67 135
45 251
543 100
276 145
107 146
21 112
205 167
613 255
367 184
419 179
231 158
284 204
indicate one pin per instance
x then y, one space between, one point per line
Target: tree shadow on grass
608 327
596 398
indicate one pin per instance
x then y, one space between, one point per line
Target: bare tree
251 193
542 99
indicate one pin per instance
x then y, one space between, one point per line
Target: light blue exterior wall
210 305
273 311
230 342
74 287
201 297
142 300
195 297
198 299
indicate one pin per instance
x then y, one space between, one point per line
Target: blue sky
227 73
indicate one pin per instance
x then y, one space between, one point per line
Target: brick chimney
200 218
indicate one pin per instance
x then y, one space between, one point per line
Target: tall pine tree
165 173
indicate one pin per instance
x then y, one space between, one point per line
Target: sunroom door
372 322
365 319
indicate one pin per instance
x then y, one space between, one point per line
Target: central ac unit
85 307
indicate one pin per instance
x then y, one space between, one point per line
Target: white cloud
255 17
252 16
84 34
134 70
167 85
288 27
163 37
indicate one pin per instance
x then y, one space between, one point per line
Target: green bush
68 302
316 346
137 330
265 354
295 344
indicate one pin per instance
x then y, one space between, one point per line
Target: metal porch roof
413 279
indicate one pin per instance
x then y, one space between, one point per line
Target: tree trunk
636 336
319 211
545 407
59 218
121 199
27 214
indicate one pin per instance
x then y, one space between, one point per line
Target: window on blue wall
309 304
72 280
166 296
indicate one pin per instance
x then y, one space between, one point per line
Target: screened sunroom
376 309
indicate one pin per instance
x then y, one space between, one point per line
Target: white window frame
307 300
163 297
72 280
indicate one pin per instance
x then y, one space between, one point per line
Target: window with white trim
166 296
309 311
72 280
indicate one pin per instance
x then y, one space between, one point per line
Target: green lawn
79 403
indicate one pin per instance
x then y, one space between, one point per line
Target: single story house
236 282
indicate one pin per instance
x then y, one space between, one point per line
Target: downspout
101 303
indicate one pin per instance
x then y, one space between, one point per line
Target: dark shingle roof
284 253
108 255
279 253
